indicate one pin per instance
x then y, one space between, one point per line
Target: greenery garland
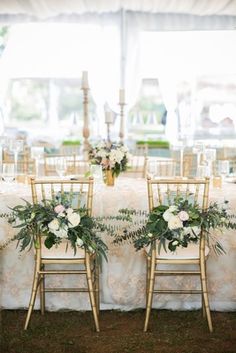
55 221
175 226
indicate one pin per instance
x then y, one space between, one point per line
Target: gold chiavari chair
164 191
24 166
161 167
137 167
189 165
77 167
51 162
81 191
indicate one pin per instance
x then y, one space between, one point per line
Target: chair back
77 167
161 167
164 191
80 192
137 166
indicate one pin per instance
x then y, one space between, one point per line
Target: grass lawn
121 332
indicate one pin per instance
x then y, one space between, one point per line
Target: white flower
79 242
101 154
124 149
172 208
167 215
175 223
53 225
187 230
150 235
183 215
116 156
196 230
61 232
69 211
175 242
74 220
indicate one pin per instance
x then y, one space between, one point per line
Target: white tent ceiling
52 8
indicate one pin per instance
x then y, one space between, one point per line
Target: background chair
45 189
137 167
161 167
163 192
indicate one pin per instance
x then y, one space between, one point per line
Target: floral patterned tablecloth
122 279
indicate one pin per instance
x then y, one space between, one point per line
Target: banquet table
123 277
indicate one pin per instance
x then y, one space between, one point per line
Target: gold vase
109 178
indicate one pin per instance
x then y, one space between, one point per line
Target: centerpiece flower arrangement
113 157
55 221
176 225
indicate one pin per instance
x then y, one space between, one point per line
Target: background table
123 276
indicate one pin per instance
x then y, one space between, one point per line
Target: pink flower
59 209
105 163
183 216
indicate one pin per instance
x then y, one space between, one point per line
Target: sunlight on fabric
184 54
56 50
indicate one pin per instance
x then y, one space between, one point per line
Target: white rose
175 223
79 242
74 220
53 225
167 215
69 211
62 232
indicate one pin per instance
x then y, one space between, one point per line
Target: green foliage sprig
54 221
176 226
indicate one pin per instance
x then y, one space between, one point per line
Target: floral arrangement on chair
176 225
111 156
54 221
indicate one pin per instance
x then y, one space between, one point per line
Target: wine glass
15 147
152 169
37 153
96 171
223 167
61 167
8 172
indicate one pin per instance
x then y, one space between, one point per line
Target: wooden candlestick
86 131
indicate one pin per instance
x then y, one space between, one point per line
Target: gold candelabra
86 132
122 122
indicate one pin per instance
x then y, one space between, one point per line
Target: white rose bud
53 225
167 215
79 242
175 242
74 220
175 223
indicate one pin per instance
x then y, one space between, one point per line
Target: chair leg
150 293
97 288
203 307
33 295
205 294
91 290
42 293
147 278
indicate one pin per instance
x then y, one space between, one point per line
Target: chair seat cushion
189 253
60 252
